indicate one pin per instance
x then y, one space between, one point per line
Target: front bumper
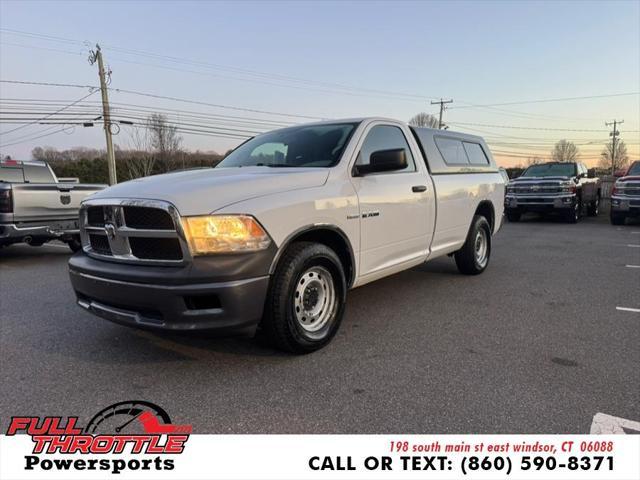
175 299
627 205
540 203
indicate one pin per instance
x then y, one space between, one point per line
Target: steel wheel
481 248
314 299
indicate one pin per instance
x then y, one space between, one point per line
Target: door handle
419 188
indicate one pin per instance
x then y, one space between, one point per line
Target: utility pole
614 134
441 102
111 159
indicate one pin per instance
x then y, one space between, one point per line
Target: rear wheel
306 299
474 255
617 219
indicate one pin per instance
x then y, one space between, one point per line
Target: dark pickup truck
625 197
565 188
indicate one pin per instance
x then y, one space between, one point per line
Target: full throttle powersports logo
133 427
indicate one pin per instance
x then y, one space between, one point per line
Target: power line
48 84
549 100
175 99
530 128
499 135
43 36
4 44
34 138
30 104
51 114
195 102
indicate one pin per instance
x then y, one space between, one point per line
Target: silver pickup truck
35 207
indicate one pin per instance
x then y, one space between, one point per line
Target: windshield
634 169
551 170
305 146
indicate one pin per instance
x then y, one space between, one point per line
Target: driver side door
396 207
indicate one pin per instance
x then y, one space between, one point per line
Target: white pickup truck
275 235
37 207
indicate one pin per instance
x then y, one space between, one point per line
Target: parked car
505 175
35 207
274 236
625 196
565 188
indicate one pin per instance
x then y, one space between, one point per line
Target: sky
226 64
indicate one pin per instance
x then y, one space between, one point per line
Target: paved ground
534 345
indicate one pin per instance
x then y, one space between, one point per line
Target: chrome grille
100 244
631 189
95 216
537 188
145 217
133 231
156 248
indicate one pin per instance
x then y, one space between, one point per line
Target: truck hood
199 192
541 179
629 178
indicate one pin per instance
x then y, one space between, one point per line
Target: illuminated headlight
224 234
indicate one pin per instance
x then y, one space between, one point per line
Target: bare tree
424 120
140 160
564 151
164 140
534 161
621 160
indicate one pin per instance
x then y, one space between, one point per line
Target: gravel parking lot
539 343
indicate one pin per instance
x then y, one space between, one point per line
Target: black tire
594 207
283 320
513 215
617 219
467 258
74 244
572 215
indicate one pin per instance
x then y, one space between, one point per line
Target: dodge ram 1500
37 207
274 236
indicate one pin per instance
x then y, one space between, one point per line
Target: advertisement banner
69 455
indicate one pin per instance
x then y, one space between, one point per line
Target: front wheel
572 215
513 215
473 257
306 299
617 219
593 208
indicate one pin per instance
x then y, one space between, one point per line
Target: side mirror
591 173
383 161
